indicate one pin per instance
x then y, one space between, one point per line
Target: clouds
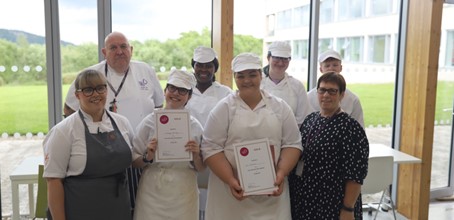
138 19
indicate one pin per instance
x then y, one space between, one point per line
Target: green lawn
24 108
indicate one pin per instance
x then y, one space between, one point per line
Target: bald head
117 51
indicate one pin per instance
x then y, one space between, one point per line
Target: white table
25 173
399 157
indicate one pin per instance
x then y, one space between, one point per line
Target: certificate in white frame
255 167
172 133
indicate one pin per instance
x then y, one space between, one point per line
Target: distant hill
11 35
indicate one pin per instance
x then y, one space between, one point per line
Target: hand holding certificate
172 132
255 165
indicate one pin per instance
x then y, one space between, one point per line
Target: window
284 19
325 44
351 48
270 24
381 7
300 49
301 16
326 11
351 9
379 48
449 62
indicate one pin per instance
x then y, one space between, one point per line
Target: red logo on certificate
164 119
244 151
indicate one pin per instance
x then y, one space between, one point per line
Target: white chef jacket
140 94
167 190
293 92
232 121
201 104
65 148
349 104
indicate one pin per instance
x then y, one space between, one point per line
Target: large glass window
379 48
23 79
79 38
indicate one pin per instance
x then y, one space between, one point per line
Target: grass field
24 108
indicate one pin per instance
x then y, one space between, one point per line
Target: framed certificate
172 133
255 167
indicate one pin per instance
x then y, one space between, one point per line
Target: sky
138 19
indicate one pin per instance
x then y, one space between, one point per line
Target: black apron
101 191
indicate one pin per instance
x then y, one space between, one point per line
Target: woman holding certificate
335 159
248 117
168 186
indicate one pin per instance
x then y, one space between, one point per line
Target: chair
41 198
379 178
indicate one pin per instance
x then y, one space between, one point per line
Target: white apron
247 125
167 191
282 90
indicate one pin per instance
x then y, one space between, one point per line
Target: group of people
99 162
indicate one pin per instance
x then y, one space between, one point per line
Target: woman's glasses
322 91
88 91
181 91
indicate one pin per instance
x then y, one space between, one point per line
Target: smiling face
176 97
91 90
204 72
248 80
329 97
278 65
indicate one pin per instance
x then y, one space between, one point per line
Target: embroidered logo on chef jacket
143 84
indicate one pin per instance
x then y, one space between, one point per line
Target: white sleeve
215 130
57 152
291 136
303 107
143 135
357 112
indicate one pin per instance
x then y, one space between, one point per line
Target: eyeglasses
322 91
283 59
88 91
204 65
181 91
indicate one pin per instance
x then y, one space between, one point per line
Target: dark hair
266 70
335 78
215 63
88 77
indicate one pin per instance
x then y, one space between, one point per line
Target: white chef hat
182 79
246 61
329 54
204 54
280 49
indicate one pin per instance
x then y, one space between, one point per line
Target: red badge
244 151
164 119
